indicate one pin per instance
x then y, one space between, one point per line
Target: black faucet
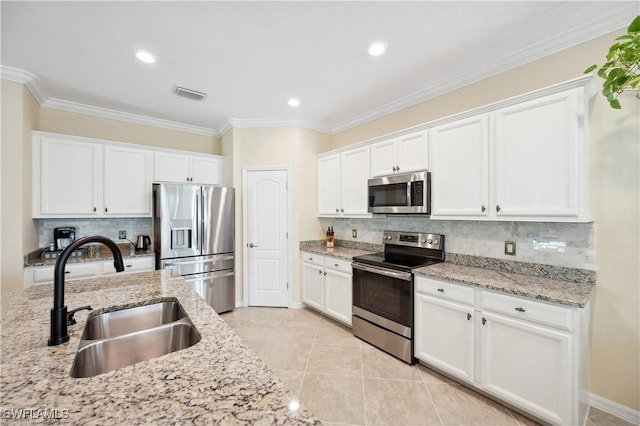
60 319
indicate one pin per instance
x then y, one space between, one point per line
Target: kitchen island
218 380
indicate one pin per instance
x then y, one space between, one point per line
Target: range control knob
388 237
429 241
424 241
435 242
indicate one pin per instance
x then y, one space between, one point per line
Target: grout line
435 407
364 395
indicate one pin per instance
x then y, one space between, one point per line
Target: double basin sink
119 338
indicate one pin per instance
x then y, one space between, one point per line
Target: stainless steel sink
125 321
154 330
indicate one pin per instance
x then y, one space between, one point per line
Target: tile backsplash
553 243
107 227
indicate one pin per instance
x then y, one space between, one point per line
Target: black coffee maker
64 236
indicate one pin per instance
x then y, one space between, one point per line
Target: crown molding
24 77
126 116
247 123
588 31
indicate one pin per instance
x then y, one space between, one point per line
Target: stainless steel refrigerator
194 234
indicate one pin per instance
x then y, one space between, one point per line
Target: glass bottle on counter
329 238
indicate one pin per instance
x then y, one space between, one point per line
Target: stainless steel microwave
408 193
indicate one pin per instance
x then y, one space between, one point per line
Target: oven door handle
404 276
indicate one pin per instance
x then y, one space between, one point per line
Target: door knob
251 245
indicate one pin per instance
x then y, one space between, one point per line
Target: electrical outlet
354 233
122 235
510 248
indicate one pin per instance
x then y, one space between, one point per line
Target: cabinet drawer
527 309
130 265
447 290
72 271
337 264
313 258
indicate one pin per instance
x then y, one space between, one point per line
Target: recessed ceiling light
145 56
377 48
294 102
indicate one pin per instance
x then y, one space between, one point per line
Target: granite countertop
340 251
218 380
546 289
35 258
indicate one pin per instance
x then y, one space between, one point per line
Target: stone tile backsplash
562 244
107 227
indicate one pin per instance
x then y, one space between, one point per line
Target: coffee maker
64 236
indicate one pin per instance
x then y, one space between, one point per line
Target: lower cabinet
74 271
530 354
326 285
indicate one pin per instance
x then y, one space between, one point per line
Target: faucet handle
70 319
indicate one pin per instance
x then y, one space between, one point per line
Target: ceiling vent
194 95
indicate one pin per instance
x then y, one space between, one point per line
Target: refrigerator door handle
178 262
209 275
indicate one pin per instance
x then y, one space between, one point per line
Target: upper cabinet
175 167
460 168
342 183
524 162
404 154
81 177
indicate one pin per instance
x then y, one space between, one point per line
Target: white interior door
267 223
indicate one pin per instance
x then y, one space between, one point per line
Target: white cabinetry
74 271
67 177
460 168
526 161
342 183
403 154
175 167
326 285
127 178
74 178
527 353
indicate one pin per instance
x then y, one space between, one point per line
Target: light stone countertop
546 289
35 259
217 381
344 253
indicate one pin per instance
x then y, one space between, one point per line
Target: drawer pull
311 258
520 309
129 266
336 265
67 272
441 290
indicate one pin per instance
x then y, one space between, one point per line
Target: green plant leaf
634 81
615 104
591 68
625 37
635 25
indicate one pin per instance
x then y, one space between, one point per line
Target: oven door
384 297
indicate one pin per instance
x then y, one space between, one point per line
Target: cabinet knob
320 272
94 209
498 207
341 210
394 168
337 210
129 266
311 258
397 168
519 309
468 316
325 274
336 265
441 290
484 320
483 209
106 210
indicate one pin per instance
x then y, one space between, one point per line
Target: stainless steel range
383 290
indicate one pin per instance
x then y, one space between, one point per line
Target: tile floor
343 380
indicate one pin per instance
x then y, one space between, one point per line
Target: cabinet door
312 285
444 335
384 158
127 181
459 168
329 186
412 152
537 157
527 365
338 295
70 175
206 171
170 167
354 173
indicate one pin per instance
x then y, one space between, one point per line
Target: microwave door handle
409 194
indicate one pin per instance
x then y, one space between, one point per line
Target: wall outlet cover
122 235
510 248
354 233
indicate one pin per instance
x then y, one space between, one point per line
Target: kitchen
613 159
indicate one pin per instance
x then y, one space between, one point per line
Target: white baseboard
241 304
615 409
296 305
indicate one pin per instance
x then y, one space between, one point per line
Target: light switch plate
354 233
510 248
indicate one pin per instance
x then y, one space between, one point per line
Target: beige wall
293 147
71 123
19 113
614 199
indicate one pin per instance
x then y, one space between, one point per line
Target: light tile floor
343 380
